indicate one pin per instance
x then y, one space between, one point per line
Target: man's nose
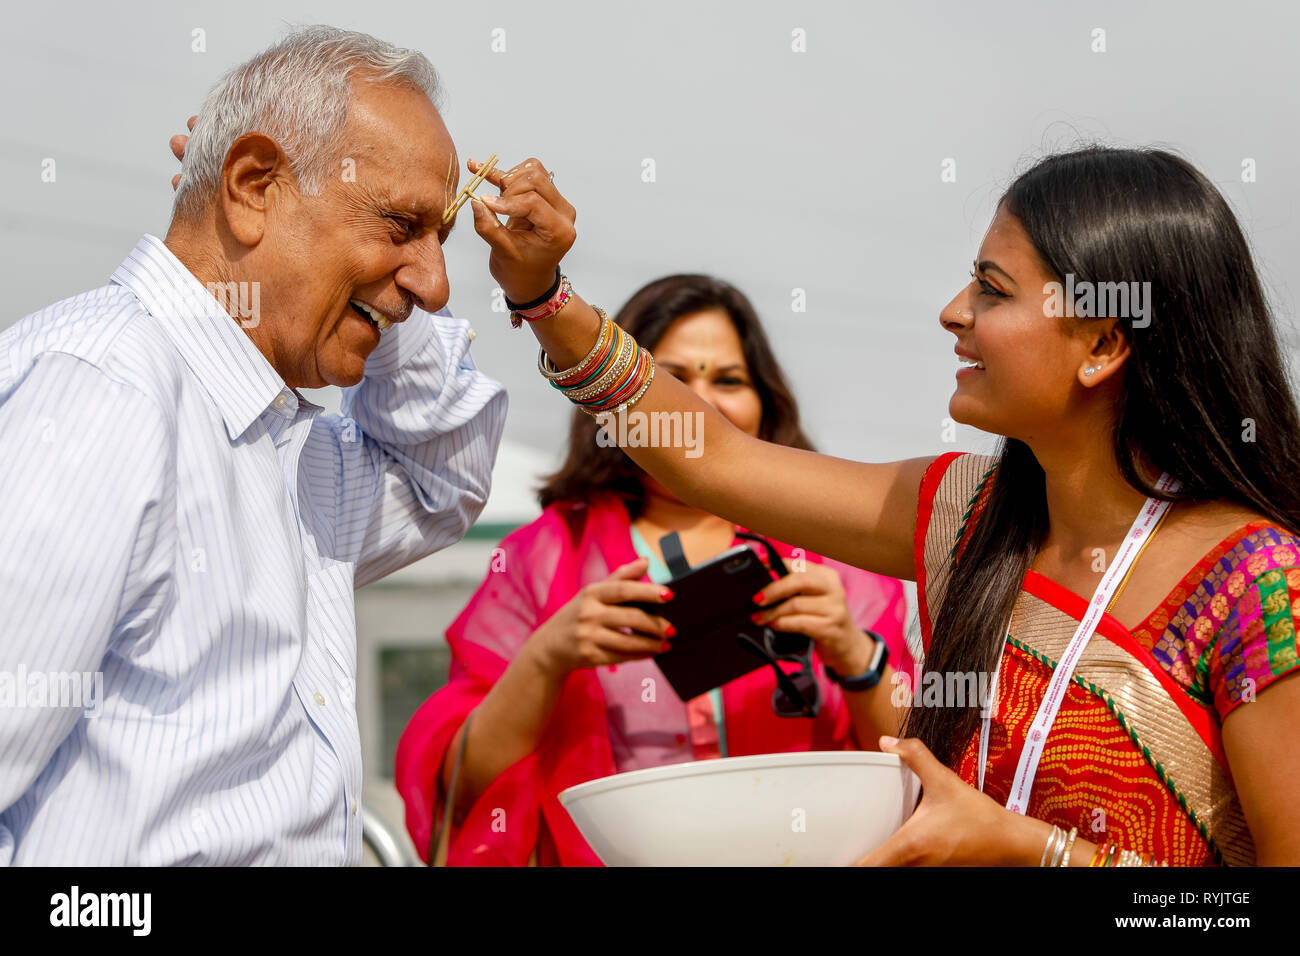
424 275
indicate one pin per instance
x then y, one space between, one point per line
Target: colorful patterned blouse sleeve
1256 643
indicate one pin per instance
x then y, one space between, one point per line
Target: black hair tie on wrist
513 307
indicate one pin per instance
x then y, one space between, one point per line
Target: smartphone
711 606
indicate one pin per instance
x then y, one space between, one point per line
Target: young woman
560 680
1169 735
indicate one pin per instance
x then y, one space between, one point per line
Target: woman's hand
592 630
178 148
813 603
527 248
955 824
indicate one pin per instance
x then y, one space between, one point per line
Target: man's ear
255 168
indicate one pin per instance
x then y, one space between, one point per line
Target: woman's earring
1089 370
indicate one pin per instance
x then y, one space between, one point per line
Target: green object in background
407 676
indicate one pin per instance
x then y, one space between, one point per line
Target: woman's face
1032 360
703 350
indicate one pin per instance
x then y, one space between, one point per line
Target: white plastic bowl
824 808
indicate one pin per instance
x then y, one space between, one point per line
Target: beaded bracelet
553 304
541 299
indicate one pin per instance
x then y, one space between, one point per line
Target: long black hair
590 469
1205 394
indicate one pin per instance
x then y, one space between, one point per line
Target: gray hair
297 92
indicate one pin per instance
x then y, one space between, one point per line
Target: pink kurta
607 719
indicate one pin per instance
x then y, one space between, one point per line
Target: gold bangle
626 353
1069 846
650 377
1049 851
641 390
544 362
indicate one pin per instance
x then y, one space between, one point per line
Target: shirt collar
228 365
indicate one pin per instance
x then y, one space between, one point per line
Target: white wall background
775 170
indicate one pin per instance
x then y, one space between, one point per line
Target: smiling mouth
376 318
967 364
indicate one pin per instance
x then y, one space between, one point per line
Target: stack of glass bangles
1060 844
613 375
1110 854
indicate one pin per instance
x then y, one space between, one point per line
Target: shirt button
279 401
320 698
472 335
354 806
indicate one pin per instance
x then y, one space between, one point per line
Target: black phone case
711 606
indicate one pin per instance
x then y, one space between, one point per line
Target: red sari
1135 756
603 723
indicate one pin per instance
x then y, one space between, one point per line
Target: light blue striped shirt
180 527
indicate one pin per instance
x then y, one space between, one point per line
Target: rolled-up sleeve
415 444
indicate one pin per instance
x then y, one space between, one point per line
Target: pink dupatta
602 723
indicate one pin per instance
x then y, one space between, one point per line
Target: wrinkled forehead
399 145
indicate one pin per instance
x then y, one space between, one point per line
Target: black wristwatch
872 677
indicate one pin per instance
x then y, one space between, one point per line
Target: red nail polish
663 646
757 617
670 631
758 598
666 594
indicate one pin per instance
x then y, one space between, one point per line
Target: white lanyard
1023 783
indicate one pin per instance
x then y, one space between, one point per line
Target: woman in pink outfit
561 679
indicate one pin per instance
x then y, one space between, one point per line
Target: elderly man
179 522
